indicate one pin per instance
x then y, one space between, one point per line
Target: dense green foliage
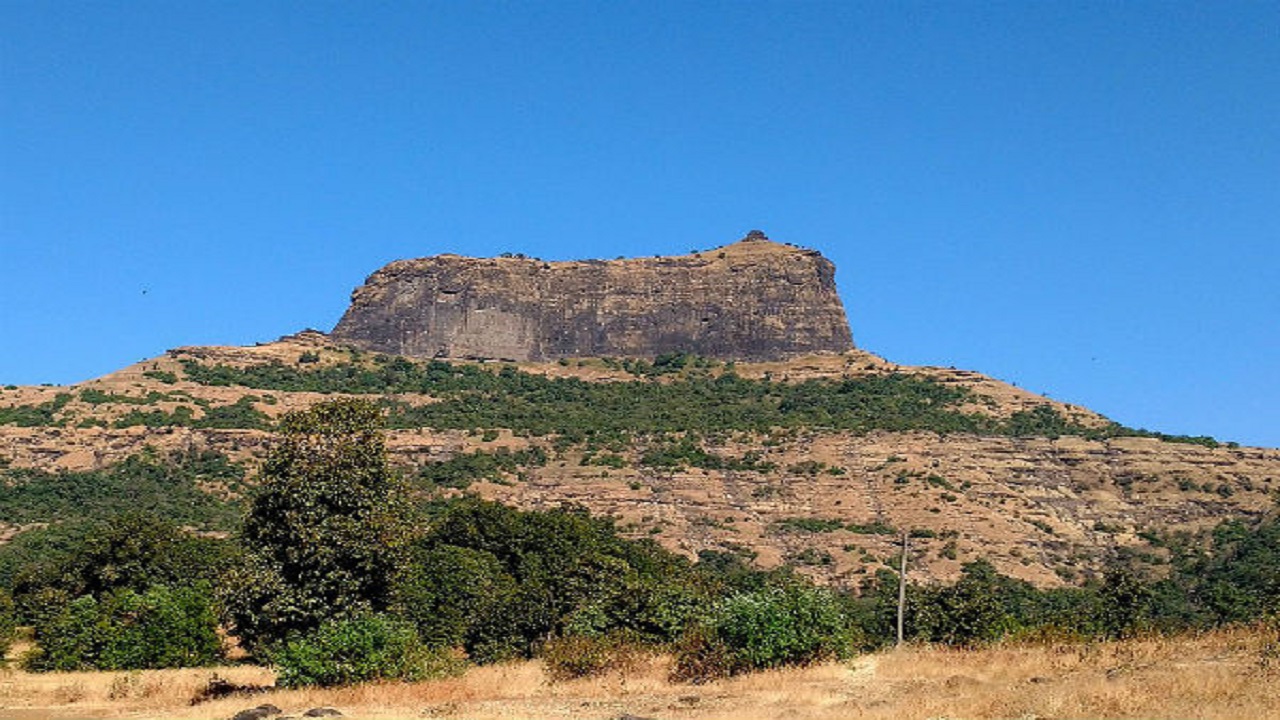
979 607
462 469
160 627
496 581
325 530
352 650
1232 576
131 551
167 487
459 597
788 623
128 591
8 622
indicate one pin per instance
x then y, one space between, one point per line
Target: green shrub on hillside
873 528
167 487
160 627
791 624
358 649
35 415
94 396
462 469
807 525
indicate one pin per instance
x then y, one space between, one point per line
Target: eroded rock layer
752 300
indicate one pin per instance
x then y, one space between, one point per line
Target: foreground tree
326 529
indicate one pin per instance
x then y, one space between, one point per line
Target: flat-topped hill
752 300
712 401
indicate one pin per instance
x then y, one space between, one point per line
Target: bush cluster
48 567
496 581
787 624
353 650
160 627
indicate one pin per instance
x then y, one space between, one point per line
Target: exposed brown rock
752 300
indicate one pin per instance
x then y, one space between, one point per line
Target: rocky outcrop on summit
752 300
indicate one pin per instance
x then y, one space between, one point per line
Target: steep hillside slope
819 461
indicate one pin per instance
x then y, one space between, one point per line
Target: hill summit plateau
752 300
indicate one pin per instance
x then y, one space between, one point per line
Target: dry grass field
1225 674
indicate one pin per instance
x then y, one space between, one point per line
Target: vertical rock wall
752 300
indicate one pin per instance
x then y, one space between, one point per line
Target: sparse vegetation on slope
462 469
674 394
34 415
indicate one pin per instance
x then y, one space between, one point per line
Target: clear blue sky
1081 198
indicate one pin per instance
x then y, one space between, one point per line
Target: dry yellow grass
1224 674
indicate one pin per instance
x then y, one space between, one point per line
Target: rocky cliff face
752 300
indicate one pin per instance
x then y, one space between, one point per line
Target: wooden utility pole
902 587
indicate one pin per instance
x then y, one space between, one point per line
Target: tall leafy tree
326 530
